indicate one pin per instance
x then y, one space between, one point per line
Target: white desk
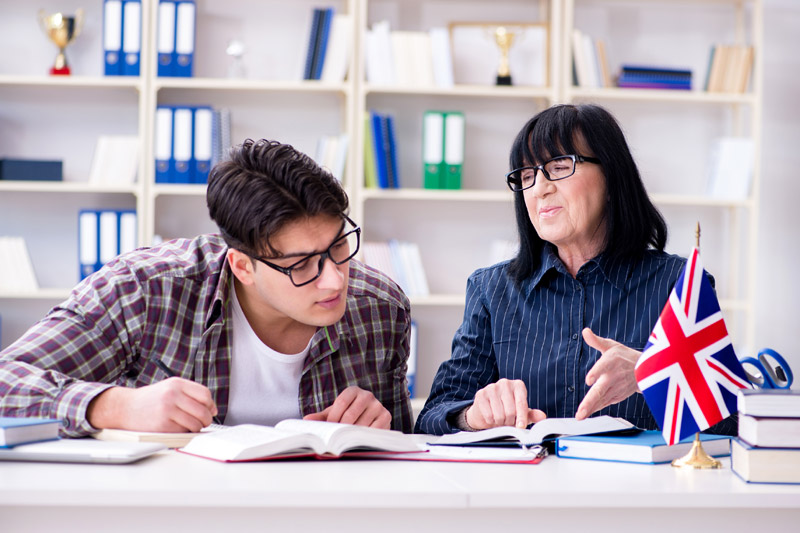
175 492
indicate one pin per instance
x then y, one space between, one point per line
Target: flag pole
697 457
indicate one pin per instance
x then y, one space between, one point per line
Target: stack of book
647 77
768 447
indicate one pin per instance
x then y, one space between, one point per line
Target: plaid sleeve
73 354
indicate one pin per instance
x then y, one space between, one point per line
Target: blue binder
88 242
165 38
112 37
183 59
182 140
131 36
163 144
203 145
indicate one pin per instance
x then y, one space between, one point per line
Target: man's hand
355 406
174 405
611 378
504 403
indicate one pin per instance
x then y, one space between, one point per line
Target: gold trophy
504 39
61 29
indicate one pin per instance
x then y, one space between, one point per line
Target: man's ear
241 266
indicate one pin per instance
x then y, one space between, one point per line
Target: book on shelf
323 30
770 432
297 439
378 58
412 58
778 403
441 57
16 269
115 160
30 170
765 465
730 68
331 153
175 37
731 168
547 429
401 261
16 431
644 447
170 440
380 155
337 56
653 77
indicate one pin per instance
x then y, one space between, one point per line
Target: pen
165 369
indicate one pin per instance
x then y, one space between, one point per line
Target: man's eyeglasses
310 267
558 168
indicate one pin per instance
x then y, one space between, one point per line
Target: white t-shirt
264 383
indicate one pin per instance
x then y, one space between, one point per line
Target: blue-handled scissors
769 371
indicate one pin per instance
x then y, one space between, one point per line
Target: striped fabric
533 333
171 302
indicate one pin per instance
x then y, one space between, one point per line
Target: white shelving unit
676 182
61 118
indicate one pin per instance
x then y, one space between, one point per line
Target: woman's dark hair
632 221
263 186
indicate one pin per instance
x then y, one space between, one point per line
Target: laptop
86 450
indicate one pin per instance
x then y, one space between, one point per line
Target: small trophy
504 38
61 29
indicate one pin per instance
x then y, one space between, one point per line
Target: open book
536 434
296 438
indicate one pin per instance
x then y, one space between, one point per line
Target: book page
250 441
340 438
539 431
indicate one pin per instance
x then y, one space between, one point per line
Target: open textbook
536 434
296 438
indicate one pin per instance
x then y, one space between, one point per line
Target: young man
272 319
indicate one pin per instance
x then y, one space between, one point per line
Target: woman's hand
504 403
611 378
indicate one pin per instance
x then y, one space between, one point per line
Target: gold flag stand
697 457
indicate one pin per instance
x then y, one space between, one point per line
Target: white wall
778 292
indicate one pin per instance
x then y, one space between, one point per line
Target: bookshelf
454 228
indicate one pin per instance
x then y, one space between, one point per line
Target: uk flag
688 372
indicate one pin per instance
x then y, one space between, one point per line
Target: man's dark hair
633 223
263 186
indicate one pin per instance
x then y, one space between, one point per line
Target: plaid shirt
172 302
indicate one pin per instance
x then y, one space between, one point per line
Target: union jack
688 371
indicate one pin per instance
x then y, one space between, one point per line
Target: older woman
557 330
